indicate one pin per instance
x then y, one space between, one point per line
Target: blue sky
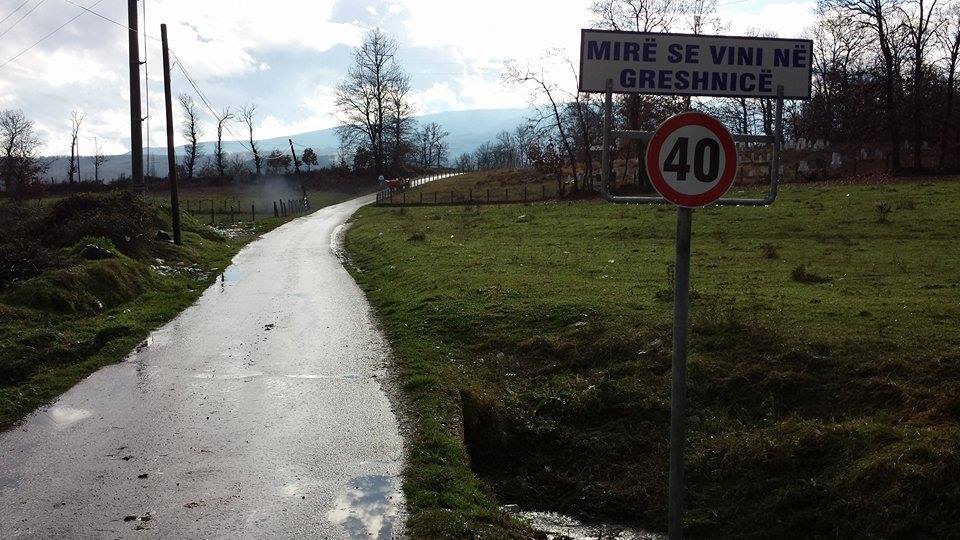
287 55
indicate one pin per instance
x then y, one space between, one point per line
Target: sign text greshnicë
682 64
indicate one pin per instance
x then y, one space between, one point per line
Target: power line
22 17
14 11
44 38
109 20
177 62
206 103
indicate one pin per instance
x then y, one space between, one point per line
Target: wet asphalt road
258 412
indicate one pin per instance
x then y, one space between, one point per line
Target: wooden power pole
136 120
296 162
296 166
171 155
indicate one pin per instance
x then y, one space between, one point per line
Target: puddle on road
253 374
345 376
230 276
560 526
227 376
64 416
369 508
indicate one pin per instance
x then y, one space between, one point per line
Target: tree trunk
948 116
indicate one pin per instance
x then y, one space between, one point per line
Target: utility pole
296 166
296 162
136 120
171 156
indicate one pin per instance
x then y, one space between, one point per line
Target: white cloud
786 19
288 56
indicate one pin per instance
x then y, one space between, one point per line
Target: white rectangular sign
690 65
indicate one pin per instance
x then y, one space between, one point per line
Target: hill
468 130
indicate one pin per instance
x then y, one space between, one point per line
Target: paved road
258 412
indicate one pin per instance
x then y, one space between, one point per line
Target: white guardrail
386 195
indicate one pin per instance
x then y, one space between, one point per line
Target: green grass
61 325
534 346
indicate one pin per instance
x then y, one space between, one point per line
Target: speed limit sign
691 159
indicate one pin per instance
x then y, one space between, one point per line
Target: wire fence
233 210
468 194
385 196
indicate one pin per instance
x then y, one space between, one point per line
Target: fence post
524 193
421 197
543 191
276 212
253 211
213 218
506 194
434 197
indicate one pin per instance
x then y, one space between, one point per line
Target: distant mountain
468 130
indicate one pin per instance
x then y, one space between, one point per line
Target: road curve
257 412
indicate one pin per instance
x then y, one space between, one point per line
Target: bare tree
192 133
20 145
246 114
431 145
949 37
464 163
98 159
399 119
553 118
879 17
362 100
76 120
219 156
523 137
640 16
921 27
237 166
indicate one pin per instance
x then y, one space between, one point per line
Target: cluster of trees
507 150
377 125
885 72
222 165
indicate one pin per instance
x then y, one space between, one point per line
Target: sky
287 56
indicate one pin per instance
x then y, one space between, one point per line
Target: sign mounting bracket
606 163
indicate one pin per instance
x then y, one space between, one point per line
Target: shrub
120 216
769 251
800 274
883 211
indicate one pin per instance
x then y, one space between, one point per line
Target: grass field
76 315
533 343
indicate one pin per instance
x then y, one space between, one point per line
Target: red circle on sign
655 173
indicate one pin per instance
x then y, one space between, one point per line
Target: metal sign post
678 372
681 295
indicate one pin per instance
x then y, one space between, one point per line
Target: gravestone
835 161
